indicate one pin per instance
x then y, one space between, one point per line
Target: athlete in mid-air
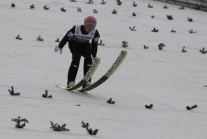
82 41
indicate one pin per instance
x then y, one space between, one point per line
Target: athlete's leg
87 60
73 69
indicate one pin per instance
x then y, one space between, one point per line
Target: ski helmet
90 22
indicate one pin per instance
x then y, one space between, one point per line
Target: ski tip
125 51
98 59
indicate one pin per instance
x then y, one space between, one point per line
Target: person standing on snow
78 38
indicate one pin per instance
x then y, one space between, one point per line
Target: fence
195 4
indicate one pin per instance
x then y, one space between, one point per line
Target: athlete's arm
67 37
94 44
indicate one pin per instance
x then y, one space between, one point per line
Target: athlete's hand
93 58
57 49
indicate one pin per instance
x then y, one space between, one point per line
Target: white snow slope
169 79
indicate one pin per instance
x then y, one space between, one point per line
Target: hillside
169 79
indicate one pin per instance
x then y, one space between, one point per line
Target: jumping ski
108 74
88 75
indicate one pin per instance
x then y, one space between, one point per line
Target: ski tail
109 73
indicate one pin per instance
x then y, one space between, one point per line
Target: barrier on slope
195 4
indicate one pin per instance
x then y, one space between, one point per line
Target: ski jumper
79 44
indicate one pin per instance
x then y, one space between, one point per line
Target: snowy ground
168 78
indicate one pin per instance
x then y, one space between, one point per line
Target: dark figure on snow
78 38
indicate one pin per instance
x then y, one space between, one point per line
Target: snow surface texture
169 79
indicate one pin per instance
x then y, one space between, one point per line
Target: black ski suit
78 49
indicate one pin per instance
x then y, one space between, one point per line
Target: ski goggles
90 25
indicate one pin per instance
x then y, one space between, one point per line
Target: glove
57 49
93 58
